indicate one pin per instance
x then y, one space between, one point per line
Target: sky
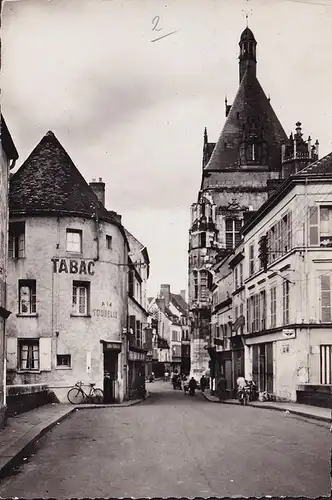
132 109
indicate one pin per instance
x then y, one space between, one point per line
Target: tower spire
247 57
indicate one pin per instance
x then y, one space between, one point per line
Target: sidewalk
23 430
314 412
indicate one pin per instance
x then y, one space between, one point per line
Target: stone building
8 157
139 331
67 278
288 319
239 172
170 322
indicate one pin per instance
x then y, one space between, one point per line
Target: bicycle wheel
75 396
97 396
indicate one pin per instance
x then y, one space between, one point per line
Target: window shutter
11 353
325 298
313 226
45 351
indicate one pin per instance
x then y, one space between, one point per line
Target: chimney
98 187
183 294
161 304
165 292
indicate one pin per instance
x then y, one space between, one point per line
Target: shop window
326 364
28 354
16 243
81 298
63 360
27 297
74 240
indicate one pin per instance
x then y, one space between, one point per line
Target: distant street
176 445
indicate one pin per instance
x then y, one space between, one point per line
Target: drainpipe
306 297
97 233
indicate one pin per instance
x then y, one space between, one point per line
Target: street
177 445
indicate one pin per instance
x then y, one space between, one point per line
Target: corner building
237 174
8 157
67 282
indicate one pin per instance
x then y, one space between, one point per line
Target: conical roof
49 182
250 106
247 35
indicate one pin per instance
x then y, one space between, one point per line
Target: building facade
67 279
239 172
288 327
171 331
139 330
8 157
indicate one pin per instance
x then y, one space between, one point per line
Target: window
233 236
16 246
27 297
174 336
74 240
195 285
326 364
320 226
202 240
325 298
109 242
138 332
273 307
251 259
241 273
203 285
262 296
80 305
131 280
28 354
285 302
279 238
63 360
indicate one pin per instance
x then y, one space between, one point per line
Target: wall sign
73 266
104 313
289 333
136 356
113 346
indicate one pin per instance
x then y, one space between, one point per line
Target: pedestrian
222 388
202 383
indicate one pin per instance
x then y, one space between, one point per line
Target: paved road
176 445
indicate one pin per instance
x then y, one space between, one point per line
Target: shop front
136 372
111 351
262 367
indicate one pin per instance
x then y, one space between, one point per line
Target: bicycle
76 395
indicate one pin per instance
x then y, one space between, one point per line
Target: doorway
262 367
110 375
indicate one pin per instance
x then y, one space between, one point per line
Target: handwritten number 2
155 22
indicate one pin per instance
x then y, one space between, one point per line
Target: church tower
236 171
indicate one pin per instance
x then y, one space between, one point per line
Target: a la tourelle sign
72 266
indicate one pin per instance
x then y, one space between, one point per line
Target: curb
17 451
275 408
22 448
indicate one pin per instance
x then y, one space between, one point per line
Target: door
110 375
228 374
269 368
262 368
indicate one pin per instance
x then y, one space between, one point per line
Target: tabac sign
72 266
